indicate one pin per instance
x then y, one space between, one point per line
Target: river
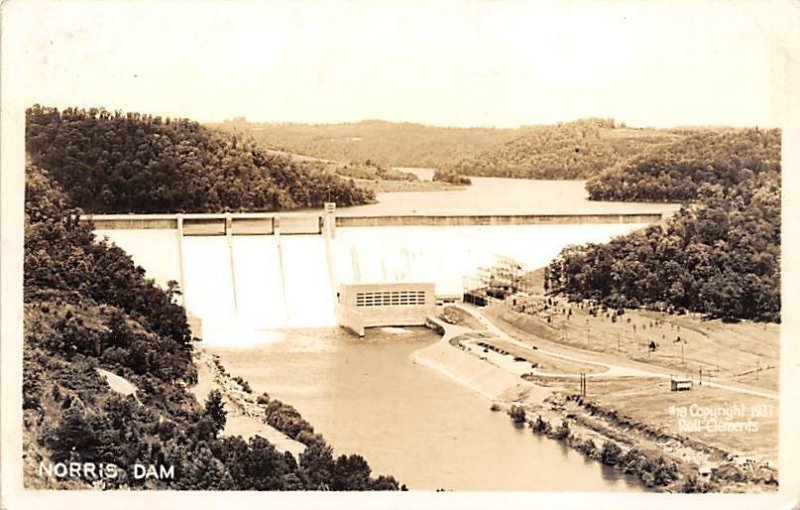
366 396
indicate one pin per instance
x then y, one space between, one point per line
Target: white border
786 74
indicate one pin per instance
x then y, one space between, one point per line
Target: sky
468 63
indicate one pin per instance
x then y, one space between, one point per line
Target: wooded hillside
719 256
675 172
87 306
572 150
388 144
114 162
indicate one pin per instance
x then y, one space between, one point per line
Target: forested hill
720 256
110 162
388 144
572 150
675 172
88 307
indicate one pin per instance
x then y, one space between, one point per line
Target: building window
391 298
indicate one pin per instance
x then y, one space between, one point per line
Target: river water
366 396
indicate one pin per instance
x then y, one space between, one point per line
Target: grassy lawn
745 352
653 403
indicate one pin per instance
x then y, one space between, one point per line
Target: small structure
503 278
680 384
364 305
329 220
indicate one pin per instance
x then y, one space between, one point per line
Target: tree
215 409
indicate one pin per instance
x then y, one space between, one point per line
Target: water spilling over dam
242 286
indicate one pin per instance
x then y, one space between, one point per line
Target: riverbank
245 415
547 402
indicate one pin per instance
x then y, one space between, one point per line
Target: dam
265 289
246 274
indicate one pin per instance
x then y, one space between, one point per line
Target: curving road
624 368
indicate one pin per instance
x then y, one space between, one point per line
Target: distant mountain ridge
389 144
572 150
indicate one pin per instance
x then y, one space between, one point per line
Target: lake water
366 395
490 195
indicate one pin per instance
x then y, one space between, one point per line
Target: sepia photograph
458 254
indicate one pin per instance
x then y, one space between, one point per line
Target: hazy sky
445 63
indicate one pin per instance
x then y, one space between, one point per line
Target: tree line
389 144
719 255
676 171
115 162
571 150
87 306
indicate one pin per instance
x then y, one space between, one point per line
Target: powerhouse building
364 305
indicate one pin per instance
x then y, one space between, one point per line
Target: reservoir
266 303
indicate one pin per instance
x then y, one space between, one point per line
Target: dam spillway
248 275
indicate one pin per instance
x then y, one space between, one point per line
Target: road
615 368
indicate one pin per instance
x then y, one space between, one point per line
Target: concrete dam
247 275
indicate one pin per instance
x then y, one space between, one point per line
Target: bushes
517 413
610 453
695 485
452 177
540 426
244 384
286 419
563 431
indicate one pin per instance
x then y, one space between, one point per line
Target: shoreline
662 461
245 415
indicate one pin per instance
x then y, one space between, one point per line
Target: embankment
479 375
245 416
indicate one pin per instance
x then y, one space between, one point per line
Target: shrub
517 414
540 426
610 454
562 432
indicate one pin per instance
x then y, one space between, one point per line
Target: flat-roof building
364 305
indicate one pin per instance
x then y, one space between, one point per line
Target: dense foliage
719 256
675 172
386 143
110 162
573 150
451 177
87 307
